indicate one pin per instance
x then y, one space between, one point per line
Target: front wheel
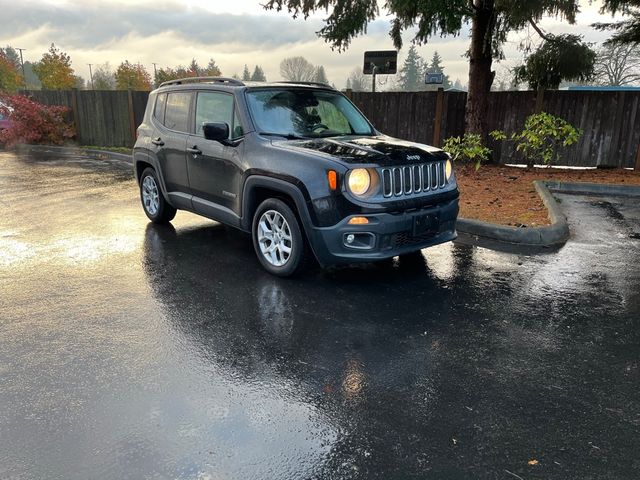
153 202
278 239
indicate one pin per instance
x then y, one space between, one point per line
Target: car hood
381 150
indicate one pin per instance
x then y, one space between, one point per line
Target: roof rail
180 81
318 84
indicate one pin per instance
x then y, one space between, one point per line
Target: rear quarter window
158 111
176 116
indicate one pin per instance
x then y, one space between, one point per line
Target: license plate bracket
424 224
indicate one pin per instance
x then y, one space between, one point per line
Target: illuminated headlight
359 181
448 169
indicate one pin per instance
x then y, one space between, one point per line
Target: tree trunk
480 74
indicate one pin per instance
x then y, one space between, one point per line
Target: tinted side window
176 116
214 107
161 102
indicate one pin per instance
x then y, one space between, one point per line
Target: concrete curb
555 234
594 189
76 151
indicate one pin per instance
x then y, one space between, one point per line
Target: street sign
385 62
434 79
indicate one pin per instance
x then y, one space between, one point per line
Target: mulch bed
506 195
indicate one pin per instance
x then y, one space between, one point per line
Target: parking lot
129 350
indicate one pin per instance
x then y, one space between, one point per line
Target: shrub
468 148
32 122
542 137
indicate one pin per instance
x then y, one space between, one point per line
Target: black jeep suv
295 164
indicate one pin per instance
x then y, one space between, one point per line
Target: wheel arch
141 162
258 188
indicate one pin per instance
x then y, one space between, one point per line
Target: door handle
195 150
157 141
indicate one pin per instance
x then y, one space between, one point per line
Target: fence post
349 94
76 115
132 118
437 126
539 100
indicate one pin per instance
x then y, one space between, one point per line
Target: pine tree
212 69
436 67
411 73
245 73
321 76
258 75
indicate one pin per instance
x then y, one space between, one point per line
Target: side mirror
218 132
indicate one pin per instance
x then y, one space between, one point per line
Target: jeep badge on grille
413 157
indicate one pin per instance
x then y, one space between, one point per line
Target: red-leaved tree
32 122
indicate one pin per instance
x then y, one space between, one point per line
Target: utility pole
155 74
24 78
90 74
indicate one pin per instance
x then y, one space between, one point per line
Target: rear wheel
278 239
153 202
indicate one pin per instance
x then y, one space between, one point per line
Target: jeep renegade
296 165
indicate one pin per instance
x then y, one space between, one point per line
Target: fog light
358 221
350 238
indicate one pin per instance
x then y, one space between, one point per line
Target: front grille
413 179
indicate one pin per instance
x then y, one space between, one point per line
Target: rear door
170 139
215 174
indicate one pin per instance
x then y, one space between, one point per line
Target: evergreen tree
258 75
212 69
560 57
33 82
164 75
491 23
80 82
194 69
412 72
436 67
245 73
11 55
321 76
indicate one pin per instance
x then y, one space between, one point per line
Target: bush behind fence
610 120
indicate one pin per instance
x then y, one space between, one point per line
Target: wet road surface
129 350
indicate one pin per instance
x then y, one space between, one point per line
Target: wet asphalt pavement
133 351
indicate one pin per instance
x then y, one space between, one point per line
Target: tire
153 202
275 218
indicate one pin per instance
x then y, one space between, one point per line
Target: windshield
305 113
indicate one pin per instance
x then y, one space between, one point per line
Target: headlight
359 181
448 169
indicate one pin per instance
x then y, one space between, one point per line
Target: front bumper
386 235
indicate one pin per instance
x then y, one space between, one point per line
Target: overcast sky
232 32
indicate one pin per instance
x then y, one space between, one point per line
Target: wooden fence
105 118
610 120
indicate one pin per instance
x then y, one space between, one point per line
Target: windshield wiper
288 136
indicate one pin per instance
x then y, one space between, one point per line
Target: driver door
215 172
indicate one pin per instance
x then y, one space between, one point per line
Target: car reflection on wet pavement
130 350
